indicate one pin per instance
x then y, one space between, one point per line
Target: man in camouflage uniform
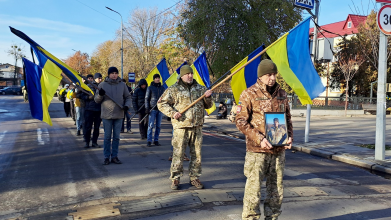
187 126
277 134
262 159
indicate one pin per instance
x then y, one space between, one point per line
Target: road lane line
45 135
2 135
39 137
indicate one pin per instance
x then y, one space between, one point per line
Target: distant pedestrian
25 96
127 115
262 159
79 110
187 126
92 112
63 96
113 94
222 113
154 92
72 103
138 101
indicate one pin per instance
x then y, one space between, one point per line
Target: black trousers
67 108
143 127
72 110
91 117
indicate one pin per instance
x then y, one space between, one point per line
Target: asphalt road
44 168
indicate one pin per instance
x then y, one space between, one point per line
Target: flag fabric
48 61
201 75
160 69
41 86
247 76
173 78
292 56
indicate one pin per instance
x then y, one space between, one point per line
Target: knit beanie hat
266 66
185 69
90 75
112 70
98 75
156 76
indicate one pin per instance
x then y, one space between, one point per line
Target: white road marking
42 136
39 137
2 135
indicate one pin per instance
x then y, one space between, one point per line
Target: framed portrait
276 128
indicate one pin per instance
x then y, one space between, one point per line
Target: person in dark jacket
138 100
222 113
92 112
151 99
127 115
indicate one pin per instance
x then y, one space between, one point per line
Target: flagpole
236 71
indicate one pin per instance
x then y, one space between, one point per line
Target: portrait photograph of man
276 131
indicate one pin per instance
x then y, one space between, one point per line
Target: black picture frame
280 137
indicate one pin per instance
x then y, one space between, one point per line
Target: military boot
197 183
175 184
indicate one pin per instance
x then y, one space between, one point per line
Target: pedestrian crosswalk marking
2 135
42 136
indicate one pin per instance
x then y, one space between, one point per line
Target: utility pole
122 43
381 98
314 55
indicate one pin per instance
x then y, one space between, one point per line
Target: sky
64 26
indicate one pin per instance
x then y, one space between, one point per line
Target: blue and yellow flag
173 78
41 85
48 61
247 76
291 54
160 69
201 75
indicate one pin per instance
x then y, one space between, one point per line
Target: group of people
263 160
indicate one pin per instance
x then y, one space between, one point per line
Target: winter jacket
119 95
89 102
154 92
250 118
138 98
179 96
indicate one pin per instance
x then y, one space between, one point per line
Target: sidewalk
327 139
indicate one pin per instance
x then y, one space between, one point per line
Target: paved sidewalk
331 137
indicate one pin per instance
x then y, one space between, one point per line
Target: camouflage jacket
276 134
250 119
177 97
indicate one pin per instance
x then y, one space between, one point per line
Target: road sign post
131 77
307 4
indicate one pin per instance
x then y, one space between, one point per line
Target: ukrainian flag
201 75
247 76
291 54
48 61
41 85
160 69
173 78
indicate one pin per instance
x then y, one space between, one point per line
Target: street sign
384 1
308 4
132 77
384 19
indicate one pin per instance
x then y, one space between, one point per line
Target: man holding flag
262 159
187 126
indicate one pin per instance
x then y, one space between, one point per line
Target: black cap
90 75
156 76
112 70
97 75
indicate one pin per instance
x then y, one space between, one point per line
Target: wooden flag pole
230 75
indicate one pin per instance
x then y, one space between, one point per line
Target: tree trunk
347 97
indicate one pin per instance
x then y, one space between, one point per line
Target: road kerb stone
381 168
317 152
353 161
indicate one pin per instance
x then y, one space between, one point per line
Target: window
349 24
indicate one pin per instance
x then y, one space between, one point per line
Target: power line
97 11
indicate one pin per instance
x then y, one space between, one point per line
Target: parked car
11 91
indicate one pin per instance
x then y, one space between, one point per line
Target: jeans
91 117
128 125
112 127
79 117
154 115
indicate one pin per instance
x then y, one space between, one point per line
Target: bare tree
17 53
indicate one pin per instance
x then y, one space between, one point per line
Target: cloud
19 21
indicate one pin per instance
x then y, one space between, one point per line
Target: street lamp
122 44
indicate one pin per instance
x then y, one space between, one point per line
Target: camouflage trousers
182 138
257 166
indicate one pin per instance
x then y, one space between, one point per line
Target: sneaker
143 138
197 183
149 144
175 184
115 160
95 145
185 158
130 132
156 143
170 158
106 161
78 133
87 145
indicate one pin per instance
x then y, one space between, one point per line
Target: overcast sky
63 26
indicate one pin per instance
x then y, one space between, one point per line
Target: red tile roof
341 28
